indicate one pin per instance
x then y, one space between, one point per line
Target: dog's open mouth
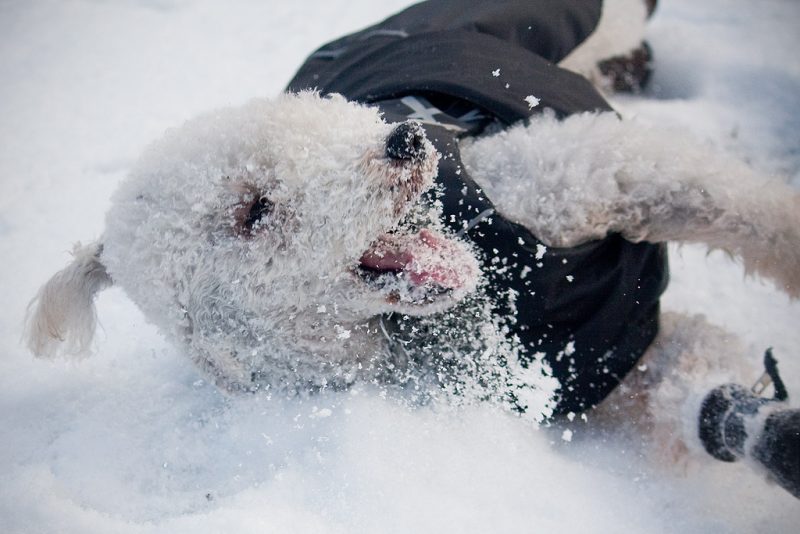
418 269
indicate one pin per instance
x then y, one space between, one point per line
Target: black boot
778 449
728 419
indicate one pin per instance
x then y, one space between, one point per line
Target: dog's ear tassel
61 318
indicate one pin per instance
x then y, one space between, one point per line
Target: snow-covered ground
134 441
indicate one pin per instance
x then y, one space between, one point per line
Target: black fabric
778 449
591 310
455 62
551 29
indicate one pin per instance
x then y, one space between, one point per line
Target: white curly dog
247 236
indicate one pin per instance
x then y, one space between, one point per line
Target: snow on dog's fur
269 239
242 234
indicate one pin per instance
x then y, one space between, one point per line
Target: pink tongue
382 259
426 257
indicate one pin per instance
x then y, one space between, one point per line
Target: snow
532 101
133 440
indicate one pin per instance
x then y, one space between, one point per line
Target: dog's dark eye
261 207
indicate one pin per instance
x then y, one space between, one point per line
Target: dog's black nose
406 142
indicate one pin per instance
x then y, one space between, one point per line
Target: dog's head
283 211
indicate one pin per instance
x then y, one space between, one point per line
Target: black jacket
591 309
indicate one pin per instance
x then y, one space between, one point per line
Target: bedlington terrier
309 242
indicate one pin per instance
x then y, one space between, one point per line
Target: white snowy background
133 440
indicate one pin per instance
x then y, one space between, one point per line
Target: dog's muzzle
406 142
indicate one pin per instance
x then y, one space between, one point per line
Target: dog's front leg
579 179
706 198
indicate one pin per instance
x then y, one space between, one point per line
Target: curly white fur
283 302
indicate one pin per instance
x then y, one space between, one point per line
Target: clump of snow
532 101
133 441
